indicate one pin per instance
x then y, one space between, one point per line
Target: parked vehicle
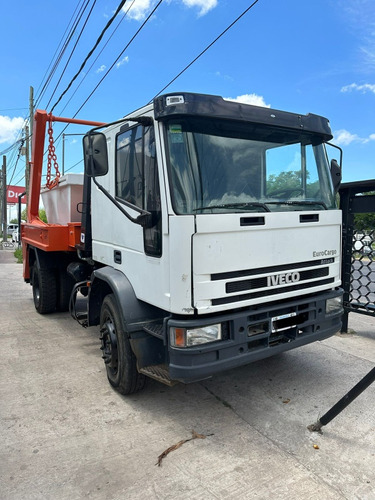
205 236
11 228
15 236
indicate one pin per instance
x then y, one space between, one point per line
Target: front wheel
119 359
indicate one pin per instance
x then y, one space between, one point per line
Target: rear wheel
44 289
119 359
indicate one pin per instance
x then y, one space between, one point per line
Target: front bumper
254 334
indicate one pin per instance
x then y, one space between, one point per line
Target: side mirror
335 175
95 154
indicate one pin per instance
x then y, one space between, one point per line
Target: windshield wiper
250 204
301 202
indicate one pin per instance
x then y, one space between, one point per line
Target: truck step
155 329
159 373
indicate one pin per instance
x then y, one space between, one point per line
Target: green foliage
284 180
364 222
289 181
18 255
42 215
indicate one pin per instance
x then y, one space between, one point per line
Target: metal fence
357 201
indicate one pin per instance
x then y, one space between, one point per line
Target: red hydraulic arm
36 233
36 165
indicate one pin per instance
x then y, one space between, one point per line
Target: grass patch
18 255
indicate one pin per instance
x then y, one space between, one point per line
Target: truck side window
137 180
152 236
129 182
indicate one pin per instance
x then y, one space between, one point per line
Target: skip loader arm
35 232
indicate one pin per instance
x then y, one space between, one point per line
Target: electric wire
14 145
97 57
58 46
111 67
71 53
15 165
62 51
90 53
119 56
70 168
206 49
125 48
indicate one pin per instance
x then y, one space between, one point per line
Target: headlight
334 305
187 337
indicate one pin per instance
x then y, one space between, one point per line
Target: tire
119 359
44 289
64 290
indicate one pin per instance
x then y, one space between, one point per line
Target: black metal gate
357 201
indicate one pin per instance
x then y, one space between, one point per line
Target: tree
42 215
366 221
289 182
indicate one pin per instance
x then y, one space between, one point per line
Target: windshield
225 167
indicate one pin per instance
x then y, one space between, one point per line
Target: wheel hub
109 345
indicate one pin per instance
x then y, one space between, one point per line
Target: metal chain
52 157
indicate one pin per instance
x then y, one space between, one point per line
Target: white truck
206 237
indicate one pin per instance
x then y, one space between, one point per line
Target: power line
12 109
119 56
90 53
71 53
18 157
70 168
206 49
97 57
14 145
58 46
62 51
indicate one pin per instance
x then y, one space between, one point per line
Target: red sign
13 192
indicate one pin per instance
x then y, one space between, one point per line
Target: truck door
134 182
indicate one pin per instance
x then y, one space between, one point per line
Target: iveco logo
282 279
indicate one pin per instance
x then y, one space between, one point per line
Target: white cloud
254 99
101 69
123 61
225 77
344 138
9 128
204 5
360 18
141 8
365 87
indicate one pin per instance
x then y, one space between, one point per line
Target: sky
315 56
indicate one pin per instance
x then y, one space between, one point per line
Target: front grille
270 291
270 269
251 284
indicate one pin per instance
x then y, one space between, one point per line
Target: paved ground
67 435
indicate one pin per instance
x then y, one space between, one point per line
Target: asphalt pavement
67 434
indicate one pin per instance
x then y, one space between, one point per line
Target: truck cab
209 238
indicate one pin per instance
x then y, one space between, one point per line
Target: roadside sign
13 192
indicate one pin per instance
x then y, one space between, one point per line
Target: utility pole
4 193
1 200
29 135
63 154
31 111
27 159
